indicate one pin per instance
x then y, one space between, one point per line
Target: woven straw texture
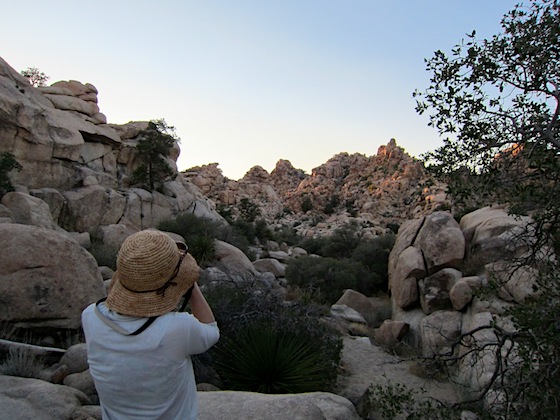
146 261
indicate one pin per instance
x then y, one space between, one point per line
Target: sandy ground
364 364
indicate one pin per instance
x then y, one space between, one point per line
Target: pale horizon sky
249 82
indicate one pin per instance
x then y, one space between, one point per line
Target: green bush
306 205
326 278
286 234
8 163
199 234
374 255
248 210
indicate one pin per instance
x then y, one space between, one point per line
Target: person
139 347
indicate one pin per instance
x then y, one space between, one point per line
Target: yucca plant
262 358
202 248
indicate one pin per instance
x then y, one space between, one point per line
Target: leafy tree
8 163
35 76
155 143
496 102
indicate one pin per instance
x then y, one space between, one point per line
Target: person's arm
199 307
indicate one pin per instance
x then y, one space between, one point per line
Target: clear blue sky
249 82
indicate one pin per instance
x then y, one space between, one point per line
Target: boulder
24 398
90 207
75 358
404 285
406 237
516 283
374 309
270 265
279 255
347 314
53 198
434 290
231 260
46 279
6 215
28 210
83 381
227 405
391 333
441 241
298 252
439 332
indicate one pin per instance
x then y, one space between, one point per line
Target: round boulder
46 278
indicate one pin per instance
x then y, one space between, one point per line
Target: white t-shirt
149 375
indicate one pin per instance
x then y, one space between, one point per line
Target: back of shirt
149 375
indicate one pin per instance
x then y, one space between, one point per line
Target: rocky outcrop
378 191
437 269
78 167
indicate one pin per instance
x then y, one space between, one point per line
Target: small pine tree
156 142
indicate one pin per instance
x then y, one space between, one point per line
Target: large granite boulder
441 241
24 398
228 405
46 279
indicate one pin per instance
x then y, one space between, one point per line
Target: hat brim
148 304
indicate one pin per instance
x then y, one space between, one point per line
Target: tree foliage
155 143
496 102
8 163
35 76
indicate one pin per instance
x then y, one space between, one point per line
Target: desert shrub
232 235
22 363
199 234
245 229
188 225
397 401
374 255
286 234
314 245
243 313
326 278
248 210
306 205
262 231
8 163
342 241
104 254
339 244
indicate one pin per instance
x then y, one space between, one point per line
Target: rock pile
375 191
436 269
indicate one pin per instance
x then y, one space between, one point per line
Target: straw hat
152 275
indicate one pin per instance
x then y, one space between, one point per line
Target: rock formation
377 191
437 269
79 165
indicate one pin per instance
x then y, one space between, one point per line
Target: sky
250 82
